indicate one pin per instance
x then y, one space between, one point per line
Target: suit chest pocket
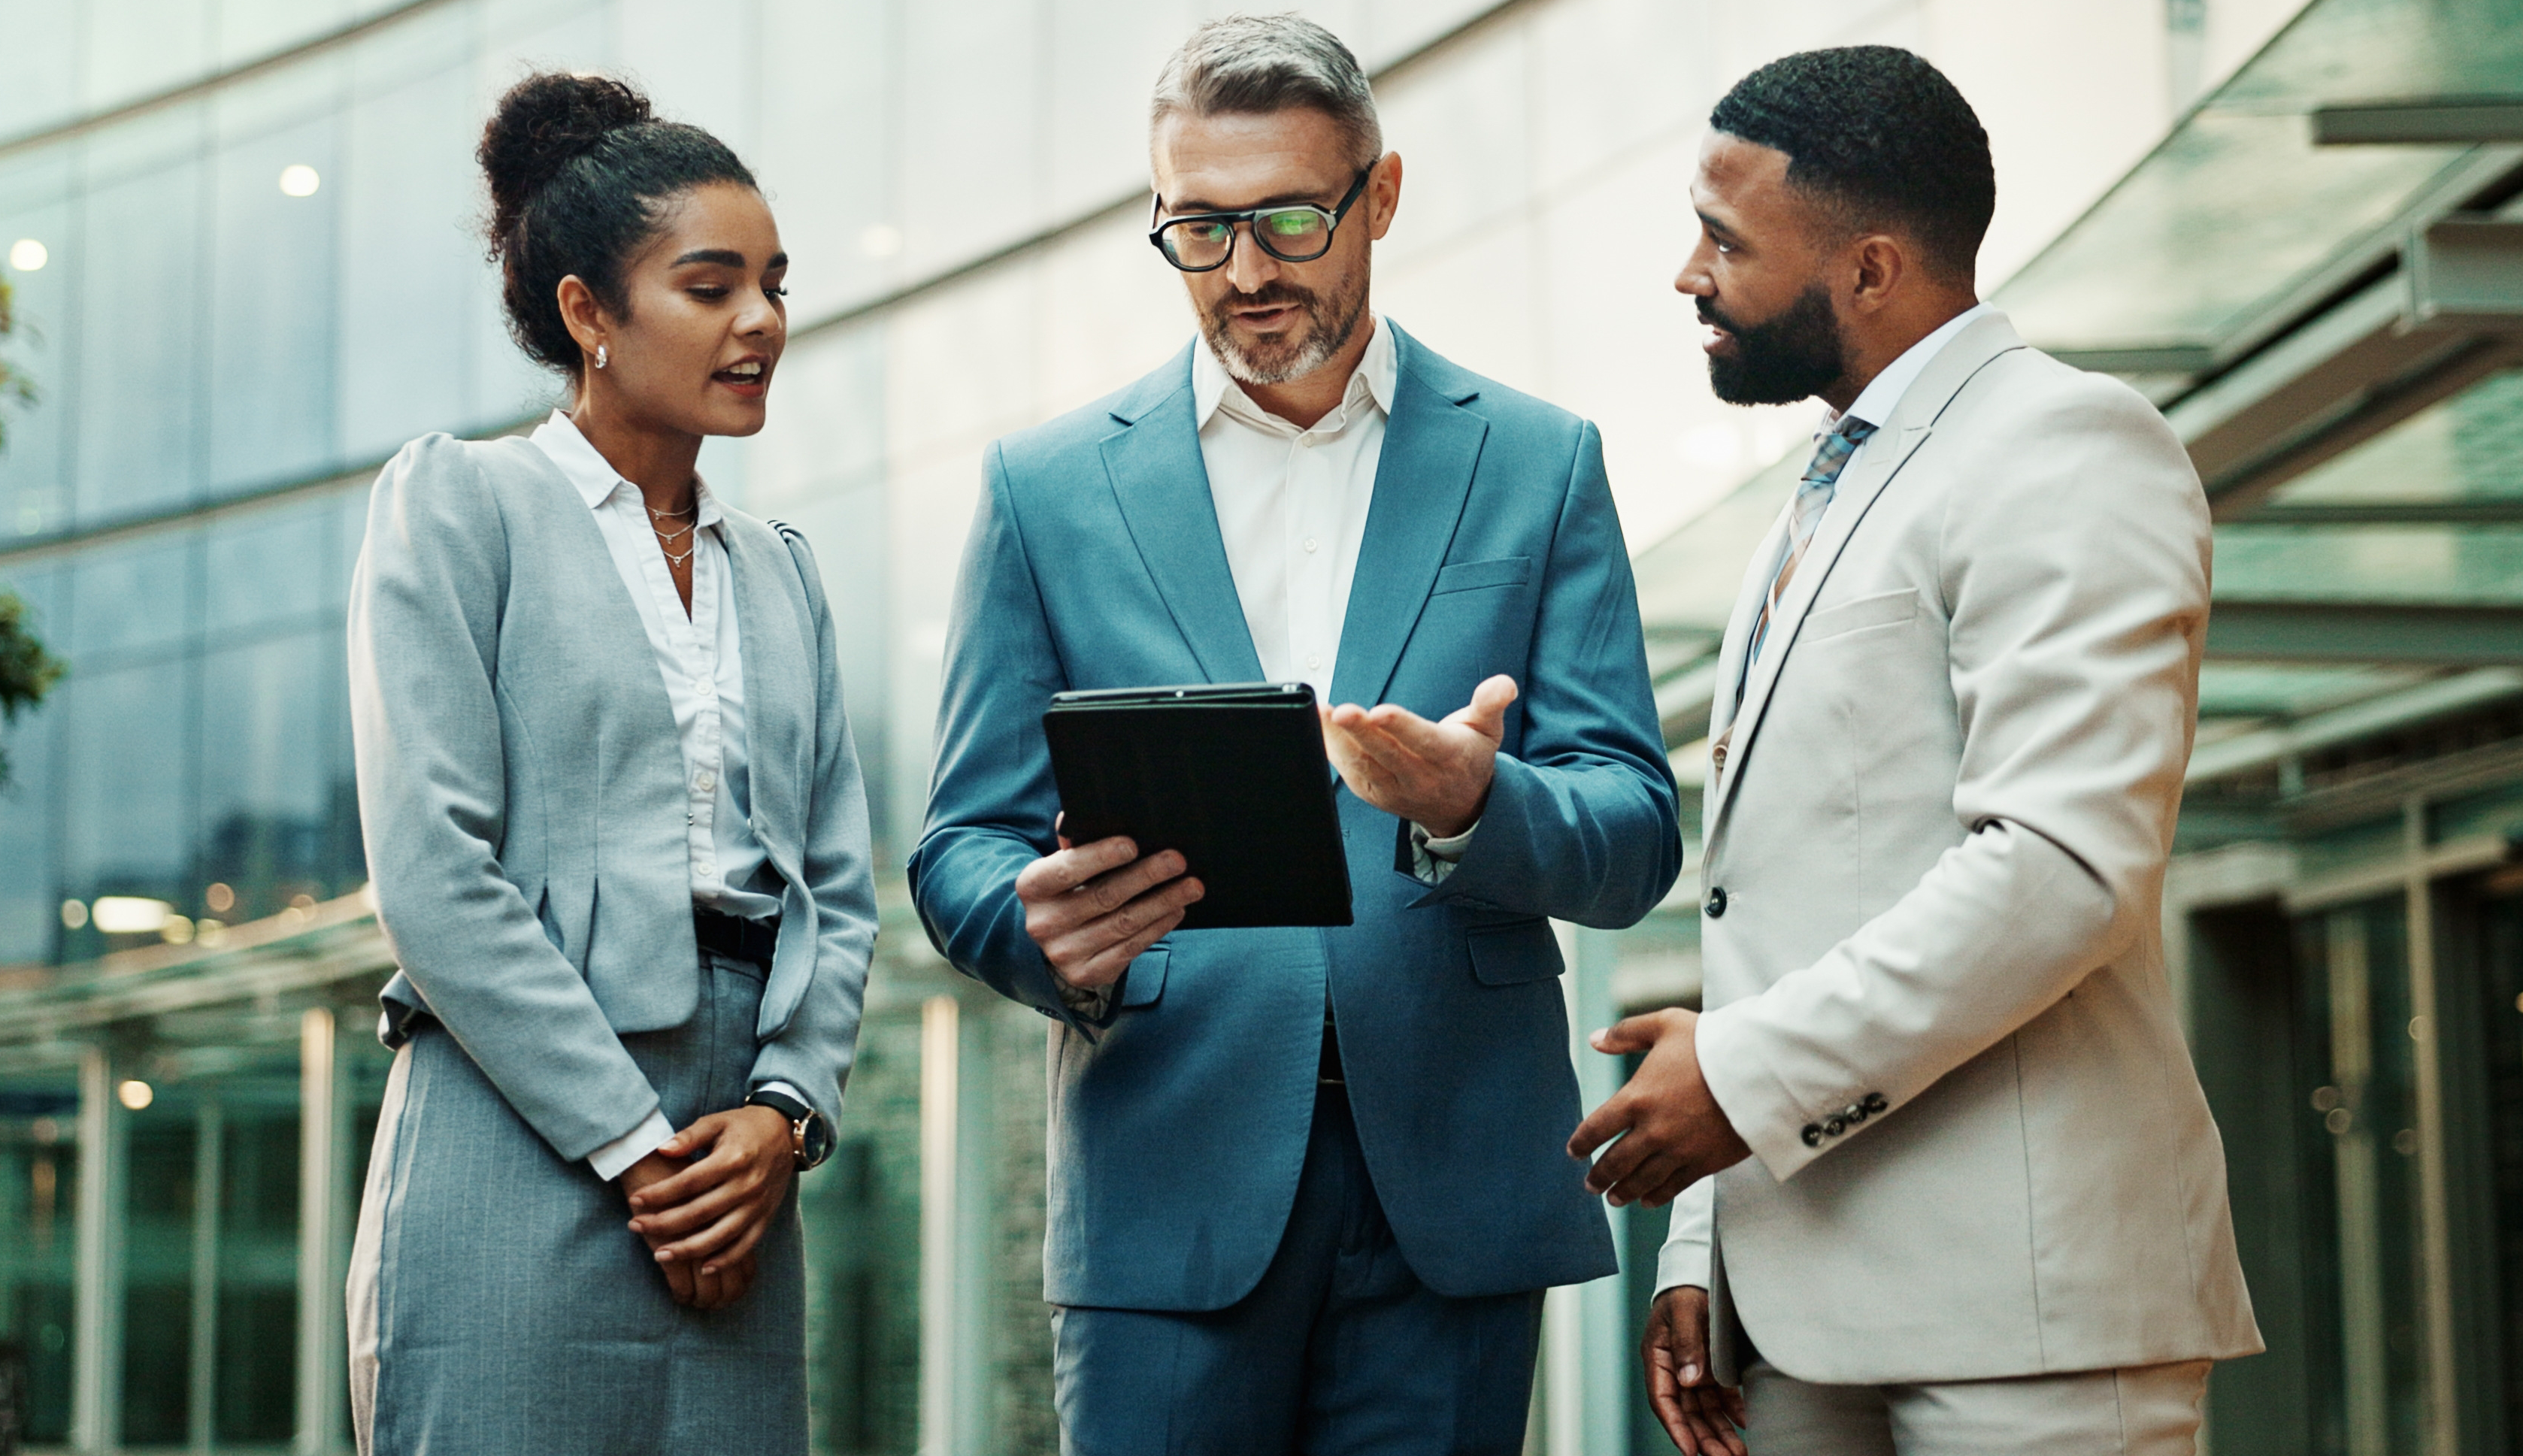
1882 609
1473 576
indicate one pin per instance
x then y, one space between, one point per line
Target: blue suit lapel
1431 445
1162 486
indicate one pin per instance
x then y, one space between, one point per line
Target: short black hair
580 169
1879 136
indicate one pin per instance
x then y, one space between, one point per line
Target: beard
1795 354
1325 324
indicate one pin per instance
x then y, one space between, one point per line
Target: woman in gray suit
617 837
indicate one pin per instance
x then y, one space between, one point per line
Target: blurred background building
242 238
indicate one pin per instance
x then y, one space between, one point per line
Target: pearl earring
599 356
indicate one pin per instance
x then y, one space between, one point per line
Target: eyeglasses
1301 232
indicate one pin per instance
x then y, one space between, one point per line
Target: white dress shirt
1882 393
700 656
1291 504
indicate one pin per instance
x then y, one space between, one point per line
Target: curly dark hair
579 168
1880 138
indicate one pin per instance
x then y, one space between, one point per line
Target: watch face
817 1142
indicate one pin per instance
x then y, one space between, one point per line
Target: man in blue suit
1307 1186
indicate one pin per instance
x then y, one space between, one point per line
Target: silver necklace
666 539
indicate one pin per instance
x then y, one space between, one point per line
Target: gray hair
1246 64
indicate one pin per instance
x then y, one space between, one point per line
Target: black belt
736 937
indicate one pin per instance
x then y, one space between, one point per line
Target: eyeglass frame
1333 215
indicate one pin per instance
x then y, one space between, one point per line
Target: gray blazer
521 791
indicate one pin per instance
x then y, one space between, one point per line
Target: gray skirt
500 1302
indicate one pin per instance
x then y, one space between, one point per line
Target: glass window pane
129 598
2467 449
271 314
271 566
127 829
269 761
410 264
34 204
39 1207
2475 565
139 292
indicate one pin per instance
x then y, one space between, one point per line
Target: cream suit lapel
1913 420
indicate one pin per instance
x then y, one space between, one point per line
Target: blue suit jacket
1178 1128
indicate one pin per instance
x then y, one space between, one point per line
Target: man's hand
707 1218
1093 907
1672 1132
1700 1415
1434 774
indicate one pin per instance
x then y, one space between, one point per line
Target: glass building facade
259 275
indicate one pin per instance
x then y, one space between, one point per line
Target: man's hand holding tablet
1093 907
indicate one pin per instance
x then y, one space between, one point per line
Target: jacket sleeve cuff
615 1159
1764 1113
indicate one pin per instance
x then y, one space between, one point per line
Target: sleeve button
1813 1135
1874 1103
1834 1126
1716 900
1855 1112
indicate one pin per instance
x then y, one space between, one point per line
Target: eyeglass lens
1290 234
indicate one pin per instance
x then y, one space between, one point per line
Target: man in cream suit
1951 1183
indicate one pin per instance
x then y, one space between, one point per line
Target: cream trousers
2150 1410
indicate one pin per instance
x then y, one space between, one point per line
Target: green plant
27 671
13 383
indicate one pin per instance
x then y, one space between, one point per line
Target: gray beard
1321 343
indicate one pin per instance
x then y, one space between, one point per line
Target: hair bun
545 122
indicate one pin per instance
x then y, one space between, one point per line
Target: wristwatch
810 1137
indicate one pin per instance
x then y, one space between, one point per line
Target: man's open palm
1435 775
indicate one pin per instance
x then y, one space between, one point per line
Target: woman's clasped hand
705 1198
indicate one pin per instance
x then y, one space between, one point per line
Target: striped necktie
1813 497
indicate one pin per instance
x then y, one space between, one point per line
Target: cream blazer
1938 1008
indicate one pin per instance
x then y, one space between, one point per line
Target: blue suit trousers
1340 1348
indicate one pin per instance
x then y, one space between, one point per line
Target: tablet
1231 775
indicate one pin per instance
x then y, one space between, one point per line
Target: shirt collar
594 477
1882 393
1377 374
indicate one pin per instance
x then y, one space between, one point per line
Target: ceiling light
299 180
129 914
27 256
135 1095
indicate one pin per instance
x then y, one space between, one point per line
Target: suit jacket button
1855 1112
1874 1103
1716 900
1812 1135
1835 1126
1717 755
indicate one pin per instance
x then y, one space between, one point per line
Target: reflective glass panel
2467 449
2466 565
39 1210
2238 204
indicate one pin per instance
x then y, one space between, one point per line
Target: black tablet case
1231 775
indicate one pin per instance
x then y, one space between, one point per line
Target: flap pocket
1145 980
1472 576
1884 609
1506 955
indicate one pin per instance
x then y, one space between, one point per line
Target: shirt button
707 870
704 688
1717 755
1310 545
1313 661
1716 900
705 780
